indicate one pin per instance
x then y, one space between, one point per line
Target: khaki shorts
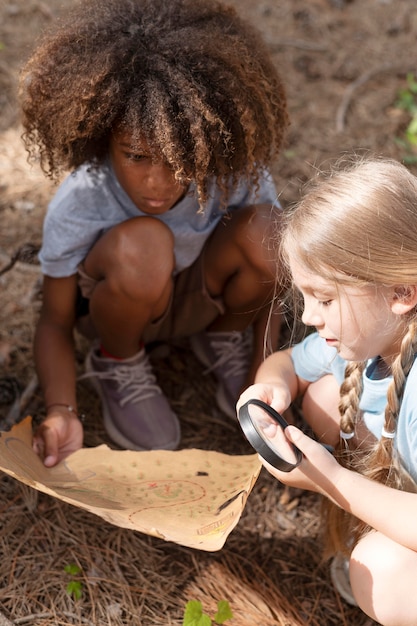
191 308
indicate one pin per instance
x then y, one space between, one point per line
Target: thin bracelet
69 407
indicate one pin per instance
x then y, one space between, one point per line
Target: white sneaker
339 573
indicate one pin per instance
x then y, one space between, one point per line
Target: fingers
37 445
46 445
306 444
319 454
295 435
276 396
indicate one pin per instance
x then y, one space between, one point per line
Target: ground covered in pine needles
344 64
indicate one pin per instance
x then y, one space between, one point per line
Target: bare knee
256 235
320 409
383 575
239 261
137 255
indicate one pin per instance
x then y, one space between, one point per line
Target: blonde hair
358 225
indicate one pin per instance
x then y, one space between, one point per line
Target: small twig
350 91
33 616
10 264
21 403
26 254
37 616
44 10
298 43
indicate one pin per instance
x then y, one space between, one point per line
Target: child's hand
277 396
318 471
57 437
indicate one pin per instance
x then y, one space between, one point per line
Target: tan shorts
191 308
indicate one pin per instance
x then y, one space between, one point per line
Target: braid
381 463
335 233
350 393
338 521
400 370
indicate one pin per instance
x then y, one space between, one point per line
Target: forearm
55 364
387 510
390 511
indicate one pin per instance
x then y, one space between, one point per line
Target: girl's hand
57 437
276 395
318 471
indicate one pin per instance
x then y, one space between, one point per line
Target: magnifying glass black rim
261 445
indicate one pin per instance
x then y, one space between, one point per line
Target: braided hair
356 226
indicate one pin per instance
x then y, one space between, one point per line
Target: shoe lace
232 349
135 381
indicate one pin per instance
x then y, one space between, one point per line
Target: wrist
340 485
67 408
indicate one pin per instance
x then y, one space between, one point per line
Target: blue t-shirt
313 358
88 203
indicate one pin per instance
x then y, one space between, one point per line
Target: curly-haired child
167 116
350 246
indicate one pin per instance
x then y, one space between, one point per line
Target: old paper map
191 497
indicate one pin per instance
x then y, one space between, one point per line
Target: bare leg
321 412
133 263
241 266
320 409
383 575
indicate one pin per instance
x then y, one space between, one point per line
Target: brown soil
344 63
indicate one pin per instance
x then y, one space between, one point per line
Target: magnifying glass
254 417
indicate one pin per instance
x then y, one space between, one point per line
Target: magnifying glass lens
272 432
264 429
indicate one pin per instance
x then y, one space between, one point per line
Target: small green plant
407 101
74 587
194 616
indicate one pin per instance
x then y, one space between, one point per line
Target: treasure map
191 497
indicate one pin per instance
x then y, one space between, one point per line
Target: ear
404 299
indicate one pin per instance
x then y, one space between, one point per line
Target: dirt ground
344 63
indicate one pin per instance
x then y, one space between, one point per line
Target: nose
312 313
160 177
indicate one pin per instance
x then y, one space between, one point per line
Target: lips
153 202
328 340
154 205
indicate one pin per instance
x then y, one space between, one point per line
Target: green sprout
194 616
407 101
74 587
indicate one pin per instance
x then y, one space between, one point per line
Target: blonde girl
350 246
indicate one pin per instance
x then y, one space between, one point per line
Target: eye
135 157
326 302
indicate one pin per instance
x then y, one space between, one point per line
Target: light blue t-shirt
313 358
88 203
